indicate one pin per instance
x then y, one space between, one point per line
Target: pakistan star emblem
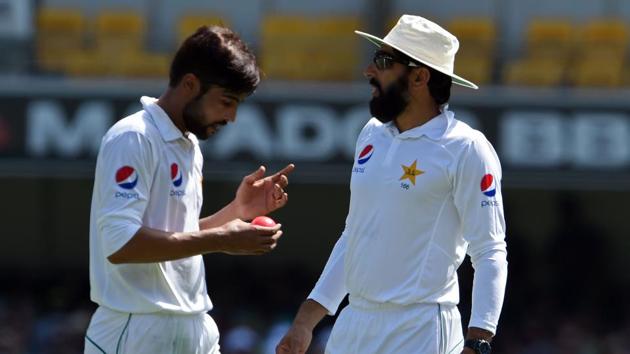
410 172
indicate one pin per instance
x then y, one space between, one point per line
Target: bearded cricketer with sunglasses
425 191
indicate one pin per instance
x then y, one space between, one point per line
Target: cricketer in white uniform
146 236
148 174
423 194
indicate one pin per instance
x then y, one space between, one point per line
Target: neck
416 114
173 108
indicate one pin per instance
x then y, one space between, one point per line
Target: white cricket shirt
147 174
420 200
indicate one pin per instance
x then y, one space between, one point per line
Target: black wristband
480 346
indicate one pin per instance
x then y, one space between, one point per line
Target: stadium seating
548 50
539 72
555 51
188 24
597 72
119 33
600 55
110 44
86 63
477 37
604 37
550 39
60 32
117 45
145 64
118 50
309 48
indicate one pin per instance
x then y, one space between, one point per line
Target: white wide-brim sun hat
424 41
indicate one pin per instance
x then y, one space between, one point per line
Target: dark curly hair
217 56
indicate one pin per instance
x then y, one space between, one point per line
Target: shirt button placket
393 148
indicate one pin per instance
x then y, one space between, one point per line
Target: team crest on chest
410 173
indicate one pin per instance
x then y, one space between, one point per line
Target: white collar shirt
147 174
420 200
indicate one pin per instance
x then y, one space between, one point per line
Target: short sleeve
122 187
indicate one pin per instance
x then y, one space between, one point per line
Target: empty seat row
301 47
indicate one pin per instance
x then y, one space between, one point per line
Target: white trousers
372 328
112 332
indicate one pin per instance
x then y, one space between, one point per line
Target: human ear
421 77
191 84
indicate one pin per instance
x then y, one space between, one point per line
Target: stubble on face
194 120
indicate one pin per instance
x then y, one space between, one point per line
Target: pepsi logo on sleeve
488 185
126 177
365 154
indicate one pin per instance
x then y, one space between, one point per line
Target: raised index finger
283 172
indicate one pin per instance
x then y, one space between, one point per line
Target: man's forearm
310 314
150 245
489 283
228 213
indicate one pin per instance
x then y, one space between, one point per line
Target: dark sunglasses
384 60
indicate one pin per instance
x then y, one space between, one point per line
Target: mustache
221 123
376 84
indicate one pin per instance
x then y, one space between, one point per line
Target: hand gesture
259 195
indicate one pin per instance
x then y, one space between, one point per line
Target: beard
390 103
194 120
